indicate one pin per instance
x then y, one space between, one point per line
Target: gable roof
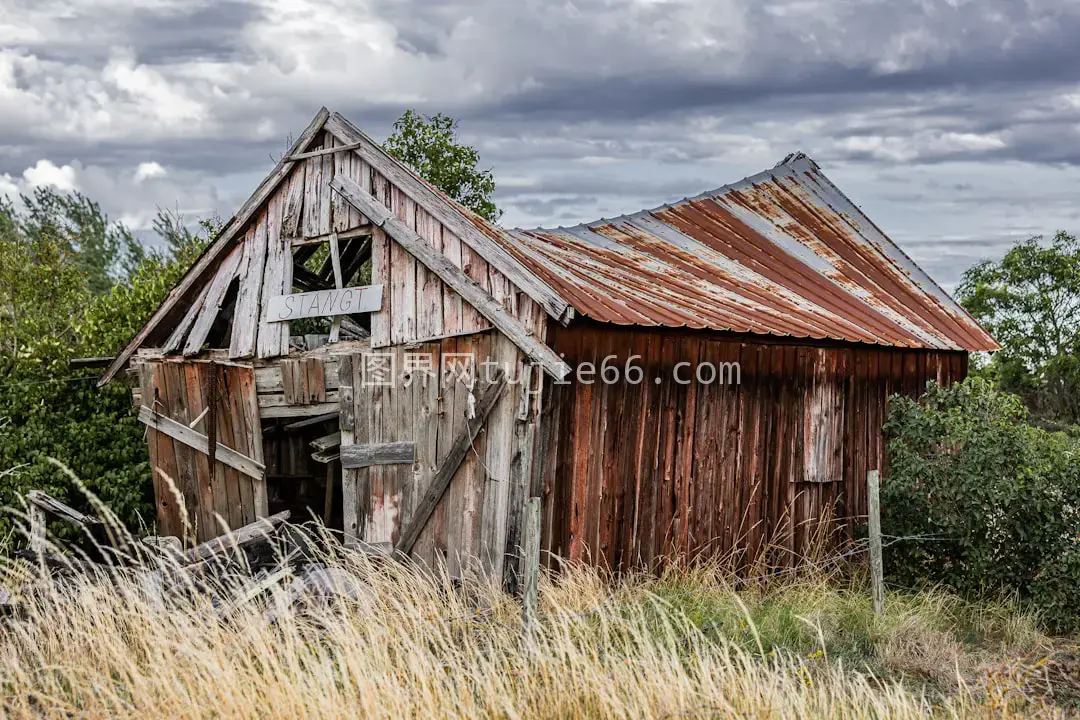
781 253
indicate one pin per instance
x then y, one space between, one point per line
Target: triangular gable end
451 275
262 250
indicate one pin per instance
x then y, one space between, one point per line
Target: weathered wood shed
356 344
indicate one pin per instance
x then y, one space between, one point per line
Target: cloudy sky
955 124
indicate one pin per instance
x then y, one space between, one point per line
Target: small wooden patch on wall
303 381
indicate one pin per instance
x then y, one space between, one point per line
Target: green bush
50 314
998 498
92 430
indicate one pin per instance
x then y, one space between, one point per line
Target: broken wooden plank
453 276
91 362
215 295
198 441
296 411
300 424
294 206
269 401
273 338
65 512
339 284
440 481
220 247
269 379
326 456
324 151
252 533
65 562
354 457
363 231
444 210
245 321
326 441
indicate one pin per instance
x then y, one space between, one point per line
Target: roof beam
445 211
452 275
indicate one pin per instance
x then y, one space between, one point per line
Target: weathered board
637 475
189 497
355 457
325 303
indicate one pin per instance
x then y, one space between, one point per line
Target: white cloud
148 171
8 188
45 174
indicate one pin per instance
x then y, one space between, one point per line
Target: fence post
531 561
37 527
877 575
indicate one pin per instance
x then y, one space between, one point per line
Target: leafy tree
41 289
430 145
1030 301
105 252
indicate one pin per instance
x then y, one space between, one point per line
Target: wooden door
185 403
418 476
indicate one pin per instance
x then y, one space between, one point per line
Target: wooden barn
703 377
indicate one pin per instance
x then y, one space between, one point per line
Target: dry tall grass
413 645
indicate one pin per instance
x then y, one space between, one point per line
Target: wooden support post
530 563
350 518
877 575
335 258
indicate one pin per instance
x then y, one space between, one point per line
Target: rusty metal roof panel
783 253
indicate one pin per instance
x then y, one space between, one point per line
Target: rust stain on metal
781 253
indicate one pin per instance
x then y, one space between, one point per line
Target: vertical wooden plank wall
641 474
417 305
180 391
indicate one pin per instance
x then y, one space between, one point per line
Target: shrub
998 497
48 315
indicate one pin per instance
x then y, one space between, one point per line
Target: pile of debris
233 569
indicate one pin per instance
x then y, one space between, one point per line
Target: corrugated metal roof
783 252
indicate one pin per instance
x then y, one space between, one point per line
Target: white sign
325 303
